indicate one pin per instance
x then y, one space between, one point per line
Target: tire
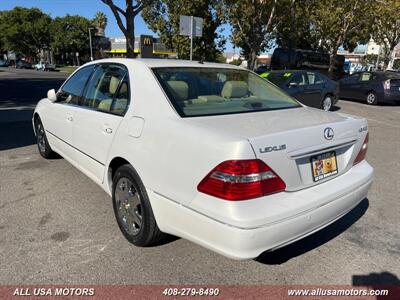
372 98
132 208
41 140
327 103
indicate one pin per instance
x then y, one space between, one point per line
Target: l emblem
328 133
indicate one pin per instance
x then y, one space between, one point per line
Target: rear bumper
249 242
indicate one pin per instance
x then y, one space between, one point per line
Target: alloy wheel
371 98
128 205
327 103
41 137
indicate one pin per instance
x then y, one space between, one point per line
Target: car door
347 86
60 117
364 86
96 122
296 85
313 90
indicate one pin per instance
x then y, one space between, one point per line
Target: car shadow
388 104
315 240
18 98
335 108
16 129
379 281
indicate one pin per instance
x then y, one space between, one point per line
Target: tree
370 59
296 29
386 26
339 23
251 21
396 64
132 9
25 30
163 18
70 36
100 22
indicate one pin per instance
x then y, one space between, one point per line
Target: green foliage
70 34
370 59
293 25
341 23
396 64
385 27
25 30
251 25
100 22
236 62
162 16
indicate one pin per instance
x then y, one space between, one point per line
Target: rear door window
300 79
107 90
365 76
315 78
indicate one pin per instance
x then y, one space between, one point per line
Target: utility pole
191 37
90 44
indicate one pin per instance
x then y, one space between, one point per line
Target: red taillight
363 151
241 180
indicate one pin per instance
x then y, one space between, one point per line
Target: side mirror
293 84
51 95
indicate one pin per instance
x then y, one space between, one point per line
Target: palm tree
100 22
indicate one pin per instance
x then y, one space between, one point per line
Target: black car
22 64
309 87
372 87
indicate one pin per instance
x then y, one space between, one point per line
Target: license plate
324 165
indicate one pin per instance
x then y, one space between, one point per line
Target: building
157 49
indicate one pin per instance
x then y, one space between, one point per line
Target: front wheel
133 210
372 99
41 139
327 103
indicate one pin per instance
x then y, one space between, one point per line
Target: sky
88 8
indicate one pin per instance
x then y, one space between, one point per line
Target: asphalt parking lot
57 226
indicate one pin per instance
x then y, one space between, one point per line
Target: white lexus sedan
208 152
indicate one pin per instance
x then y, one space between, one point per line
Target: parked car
23 64
371 87
44 67
208 152
4 63
309 87
262 69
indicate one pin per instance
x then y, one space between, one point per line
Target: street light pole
90 44
191 37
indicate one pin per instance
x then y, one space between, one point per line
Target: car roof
162 62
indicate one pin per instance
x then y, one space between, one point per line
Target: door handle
108 130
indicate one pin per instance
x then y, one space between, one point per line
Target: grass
67 69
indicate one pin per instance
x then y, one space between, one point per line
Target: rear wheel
327 103
372 99
41 139
133 210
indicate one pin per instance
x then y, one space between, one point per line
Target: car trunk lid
286 140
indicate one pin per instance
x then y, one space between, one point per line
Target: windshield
217 91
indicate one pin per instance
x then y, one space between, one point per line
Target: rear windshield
217 91
279 78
